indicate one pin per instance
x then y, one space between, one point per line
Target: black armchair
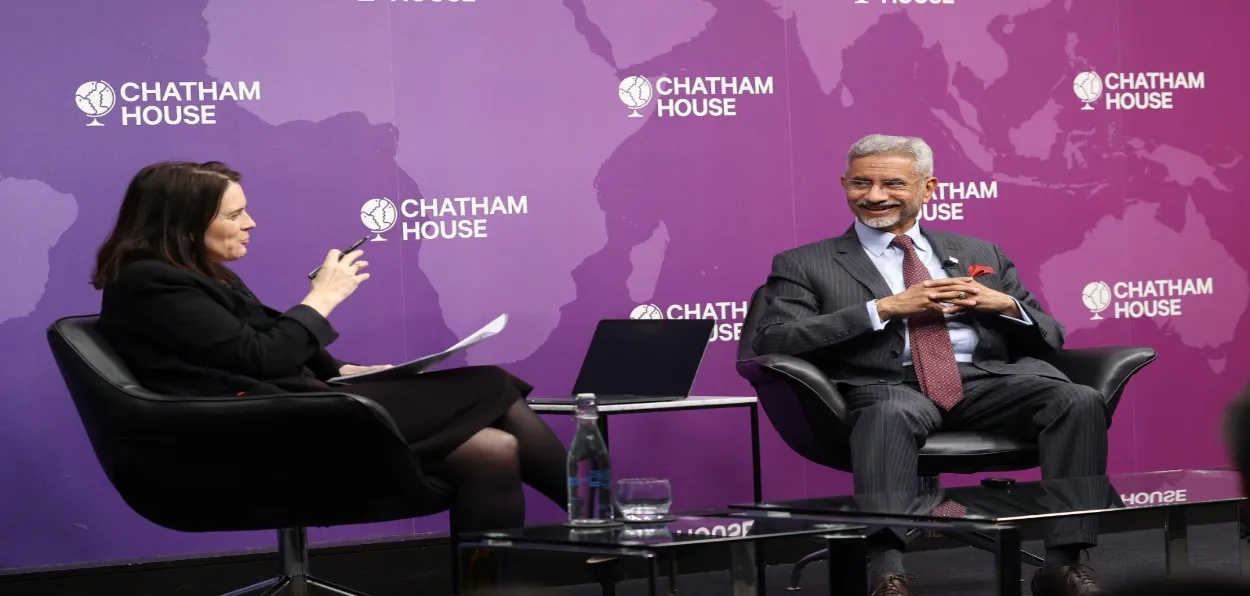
809 413
274 462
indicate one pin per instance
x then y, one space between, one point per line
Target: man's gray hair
913 147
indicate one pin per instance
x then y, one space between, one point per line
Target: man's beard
907 212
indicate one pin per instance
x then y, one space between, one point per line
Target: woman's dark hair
167 208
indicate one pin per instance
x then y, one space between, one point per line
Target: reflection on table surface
674 532
1024 500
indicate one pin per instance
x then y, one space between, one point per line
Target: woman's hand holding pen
338 277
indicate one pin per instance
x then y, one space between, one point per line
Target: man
892 313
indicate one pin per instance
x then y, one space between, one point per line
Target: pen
353 247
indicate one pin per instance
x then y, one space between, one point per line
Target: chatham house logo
1097 297
636 93
727 316
379 216
95 99
161 103
1148 90
1145 298
646 311
1088 88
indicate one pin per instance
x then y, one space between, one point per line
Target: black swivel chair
212 464
810 415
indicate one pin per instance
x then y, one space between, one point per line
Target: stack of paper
422 364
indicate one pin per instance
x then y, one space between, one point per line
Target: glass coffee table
991 516
654 543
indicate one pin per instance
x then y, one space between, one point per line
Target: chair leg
260 588
326 586
797 573
293 549
306 586
294 581
983 542
289 587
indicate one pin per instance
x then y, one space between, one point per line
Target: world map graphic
500 98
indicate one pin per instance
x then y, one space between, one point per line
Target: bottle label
600 478
595 479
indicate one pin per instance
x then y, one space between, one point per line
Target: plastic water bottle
590 469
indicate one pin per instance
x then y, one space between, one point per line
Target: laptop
640 360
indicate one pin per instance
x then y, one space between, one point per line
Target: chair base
986 543
294 586
294 581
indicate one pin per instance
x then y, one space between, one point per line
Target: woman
187 325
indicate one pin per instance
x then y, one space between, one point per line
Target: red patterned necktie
931 353
949 509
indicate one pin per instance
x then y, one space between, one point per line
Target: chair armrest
277 415
802 376
1107 369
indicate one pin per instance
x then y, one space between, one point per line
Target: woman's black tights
487 471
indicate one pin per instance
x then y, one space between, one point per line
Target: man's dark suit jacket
182 333
817 296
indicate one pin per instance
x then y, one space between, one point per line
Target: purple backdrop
335 102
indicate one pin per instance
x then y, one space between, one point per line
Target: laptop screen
644 357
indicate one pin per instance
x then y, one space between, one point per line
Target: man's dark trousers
1069 421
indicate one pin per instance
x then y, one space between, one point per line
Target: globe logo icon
635 94
96 99
379 216
646 311
1097 297
1087 86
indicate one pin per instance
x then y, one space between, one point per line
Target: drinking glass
643 499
